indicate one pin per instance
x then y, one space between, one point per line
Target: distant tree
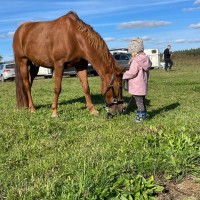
1 57
188 52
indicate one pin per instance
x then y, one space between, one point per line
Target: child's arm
132 72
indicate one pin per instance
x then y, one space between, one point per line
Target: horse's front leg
33 71
58 72
86 89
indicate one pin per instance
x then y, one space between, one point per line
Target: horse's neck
104 70
103 65
94 50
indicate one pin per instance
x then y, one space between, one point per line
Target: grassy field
80 156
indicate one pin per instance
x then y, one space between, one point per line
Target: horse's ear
120 70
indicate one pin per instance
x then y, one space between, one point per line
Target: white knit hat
136 45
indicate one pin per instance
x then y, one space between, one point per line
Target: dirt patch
188 189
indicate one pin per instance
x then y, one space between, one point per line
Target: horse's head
113 94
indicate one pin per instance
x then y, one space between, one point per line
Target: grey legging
140 102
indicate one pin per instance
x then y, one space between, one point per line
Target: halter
115 101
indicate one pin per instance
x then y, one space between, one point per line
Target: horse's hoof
95 112
32 110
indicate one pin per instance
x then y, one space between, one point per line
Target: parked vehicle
46 72
69 71
7 71
118 50
91 70
154 55
122 59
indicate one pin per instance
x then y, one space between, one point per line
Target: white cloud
11 33
191 9
109 39
197 2
180 41
124 39
146 38
195 25
143 24
2 36
187 41
195 41
7 35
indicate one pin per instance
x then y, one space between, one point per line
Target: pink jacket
138 75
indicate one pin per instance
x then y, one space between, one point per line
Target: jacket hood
143 61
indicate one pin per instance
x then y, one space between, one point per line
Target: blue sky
158 22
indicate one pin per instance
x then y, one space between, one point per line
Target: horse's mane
93 37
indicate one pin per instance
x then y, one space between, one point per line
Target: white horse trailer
154 55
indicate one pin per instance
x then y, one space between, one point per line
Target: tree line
188 52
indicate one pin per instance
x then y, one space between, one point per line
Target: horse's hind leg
27 85
58 72
82 74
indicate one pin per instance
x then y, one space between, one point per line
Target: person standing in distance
137 76
167 58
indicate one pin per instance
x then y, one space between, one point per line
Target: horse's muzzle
117 107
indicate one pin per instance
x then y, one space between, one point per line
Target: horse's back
42 41
44 28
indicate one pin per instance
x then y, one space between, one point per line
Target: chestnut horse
60 43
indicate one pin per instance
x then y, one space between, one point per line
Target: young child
138 76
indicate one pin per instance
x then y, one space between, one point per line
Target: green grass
80 156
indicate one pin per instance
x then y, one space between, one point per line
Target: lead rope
129 103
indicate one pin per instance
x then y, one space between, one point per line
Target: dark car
71 71
122 59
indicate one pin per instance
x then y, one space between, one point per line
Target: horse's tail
21 95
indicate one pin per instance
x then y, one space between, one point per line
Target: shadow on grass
96 99
163 109
132 107
130 101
